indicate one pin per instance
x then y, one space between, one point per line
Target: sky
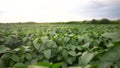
57 10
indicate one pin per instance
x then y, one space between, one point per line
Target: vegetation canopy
60 45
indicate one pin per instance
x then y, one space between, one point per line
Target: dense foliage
55 45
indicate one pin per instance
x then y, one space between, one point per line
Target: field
59 45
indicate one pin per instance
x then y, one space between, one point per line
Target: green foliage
59 46
20 65
111 58
85 58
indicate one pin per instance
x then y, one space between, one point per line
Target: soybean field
36 45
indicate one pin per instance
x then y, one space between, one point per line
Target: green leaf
1 64
66 39
56 65
80 39
110 58
36 66
3 49
86 45
45 64
22 56
114 36
118 64
50 44
15 58
47 53
44 39
36 44
43 47
70 60
79 48
34 61
104 65
29 56
113 55
71 47
87 39
65 54
72 53
20 65
59 49
85 58
35 41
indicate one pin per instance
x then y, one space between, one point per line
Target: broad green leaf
59 49
79 47
71 47
42 47
56 65
20 65
66 39
3 49
22 57
118 64
86 45
114 36
29 43
37 46
1 64
87 39
29 56
72 53
15 58
80 39
113 55
104 65
79 53
85 58
65 54
44 39
47 53
50 44
35 41
70 60
34 61
110 58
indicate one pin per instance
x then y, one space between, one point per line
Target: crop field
59 45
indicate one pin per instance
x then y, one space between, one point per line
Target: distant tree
85 21
118 21
94 21
105 21
74 22
30 22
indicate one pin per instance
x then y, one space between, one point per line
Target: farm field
59 45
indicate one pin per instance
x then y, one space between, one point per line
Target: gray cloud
99 9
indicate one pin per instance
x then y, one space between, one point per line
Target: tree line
95 21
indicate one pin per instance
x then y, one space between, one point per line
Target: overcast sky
57 10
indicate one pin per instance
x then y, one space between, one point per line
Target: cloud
58 10
100 9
